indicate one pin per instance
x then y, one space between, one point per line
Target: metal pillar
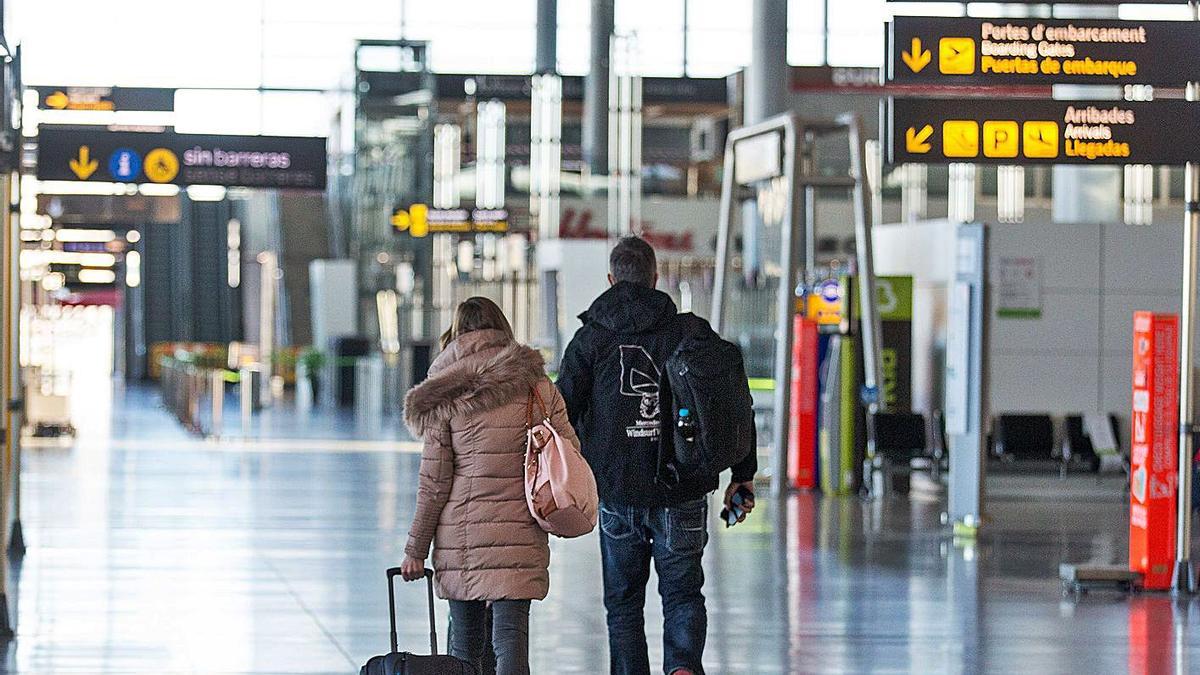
966 381
10 246
268 271
794 244
766 76
764 96
16 534
872 331
1184 581
546 60
624 139
595 93
686 22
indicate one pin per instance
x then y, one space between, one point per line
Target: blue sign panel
125 165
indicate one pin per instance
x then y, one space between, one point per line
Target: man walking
610 378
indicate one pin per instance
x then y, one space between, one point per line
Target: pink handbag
559 485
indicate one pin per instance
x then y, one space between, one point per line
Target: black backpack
707 376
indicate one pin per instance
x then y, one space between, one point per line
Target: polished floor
154 552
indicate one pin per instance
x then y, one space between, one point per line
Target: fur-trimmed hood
479 371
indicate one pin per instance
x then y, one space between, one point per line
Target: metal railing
195 394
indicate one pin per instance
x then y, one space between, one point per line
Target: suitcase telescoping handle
394 572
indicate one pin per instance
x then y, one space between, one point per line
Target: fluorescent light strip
72 235
89 276
34 258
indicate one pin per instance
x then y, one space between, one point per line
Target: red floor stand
1153 468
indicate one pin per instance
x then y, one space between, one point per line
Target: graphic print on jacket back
639 379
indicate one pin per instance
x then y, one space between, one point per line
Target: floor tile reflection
150 552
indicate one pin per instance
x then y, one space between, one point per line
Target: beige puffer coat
471 413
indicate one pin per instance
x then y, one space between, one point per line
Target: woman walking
472 414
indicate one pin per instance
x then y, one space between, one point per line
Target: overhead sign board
999 52
833 78
1073 2
419 220
98 155
154 99
1014 131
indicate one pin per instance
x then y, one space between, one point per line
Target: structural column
595 95
766 81
765 94
547 37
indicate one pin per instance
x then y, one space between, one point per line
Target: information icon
125 165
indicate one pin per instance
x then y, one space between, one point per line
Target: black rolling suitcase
404 663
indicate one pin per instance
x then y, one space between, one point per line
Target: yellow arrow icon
918 58
917 142
58 100
84 166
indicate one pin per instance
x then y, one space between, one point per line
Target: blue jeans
674 538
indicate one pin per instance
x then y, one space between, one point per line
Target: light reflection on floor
153 552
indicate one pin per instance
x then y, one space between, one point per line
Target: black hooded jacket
610 381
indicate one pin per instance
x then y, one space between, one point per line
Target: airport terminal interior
956 246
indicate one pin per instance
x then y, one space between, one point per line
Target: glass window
719 37
856 32
659 29
805 42
574 49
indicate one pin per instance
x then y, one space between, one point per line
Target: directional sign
418 220
1005 52
77 154
82 165
1012 131
106 98
1073 2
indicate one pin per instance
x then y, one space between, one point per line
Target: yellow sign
1001 139
84 166
956 56
917 142
918 58
824 311
161 166
401 220
58 100
415 220
418 220
960 138
1041 140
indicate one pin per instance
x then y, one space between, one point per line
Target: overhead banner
97 155
1112 3
1013 131
154 99
1002 52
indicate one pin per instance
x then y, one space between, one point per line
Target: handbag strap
534 394
541 403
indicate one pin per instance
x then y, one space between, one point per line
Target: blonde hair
476 314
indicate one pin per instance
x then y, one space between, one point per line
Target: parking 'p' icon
1001 139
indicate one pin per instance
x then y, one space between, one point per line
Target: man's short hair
632 259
